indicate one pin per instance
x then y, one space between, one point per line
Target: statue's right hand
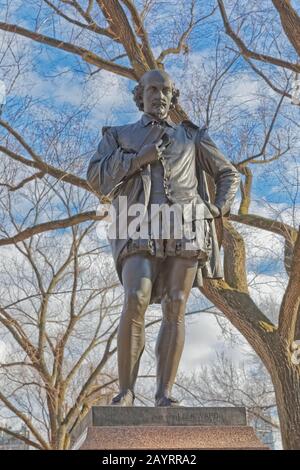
150 153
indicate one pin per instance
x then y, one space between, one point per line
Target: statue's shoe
166 401
124 399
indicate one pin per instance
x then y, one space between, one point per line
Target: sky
53 80
63 93
56 83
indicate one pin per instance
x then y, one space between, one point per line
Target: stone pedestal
111 428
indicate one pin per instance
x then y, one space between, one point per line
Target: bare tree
265 34
118 36
59 313
235 383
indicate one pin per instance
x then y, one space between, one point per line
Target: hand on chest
181 147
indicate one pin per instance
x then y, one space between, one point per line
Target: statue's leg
179 282
138 274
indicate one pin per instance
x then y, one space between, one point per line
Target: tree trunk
290 22
286 380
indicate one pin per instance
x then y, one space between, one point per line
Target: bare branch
274 226
85 390
290 21
85 54
182 46
267 80
120 26
247 52
51 225
19 335
291 299
245 190
90 6
141 33
22 438
244 314
90 25
20 139
26 421
234 258
51 170
22 183
266 141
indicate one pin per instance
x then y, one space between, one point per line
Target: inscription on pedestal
109 427
182 416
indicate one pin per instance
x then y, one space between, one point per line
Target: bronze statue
155 161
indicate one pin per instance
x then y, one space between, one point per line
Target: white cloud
9 13
3 351
204 339
263 287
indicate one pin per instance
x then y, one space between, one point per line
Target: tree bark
286 380
290 21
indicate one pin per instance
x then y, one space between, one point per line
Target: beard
161 110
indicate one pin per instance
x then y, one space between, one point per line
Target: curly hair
139 90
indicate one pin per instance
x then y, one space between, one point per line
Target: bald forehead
156 76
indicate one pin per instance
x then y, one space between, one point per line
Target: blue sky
62 90
64 99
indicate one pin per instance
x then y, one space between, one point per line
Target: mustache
159 102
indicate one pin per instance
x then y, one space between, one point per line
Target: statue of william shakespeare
157 168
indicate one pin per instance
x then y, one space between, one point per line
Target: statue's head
156 94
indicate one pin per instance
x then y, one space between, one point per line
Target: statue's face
157 94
